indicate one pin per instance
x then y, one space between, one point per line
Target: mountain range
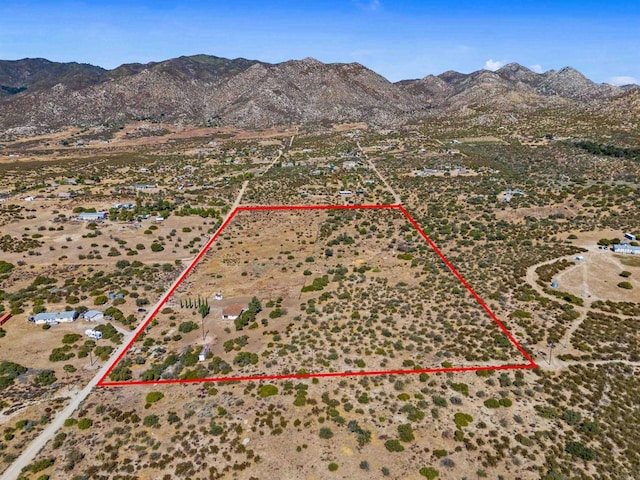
38 95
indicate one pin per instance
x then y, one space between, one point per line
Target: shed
5 318
93 315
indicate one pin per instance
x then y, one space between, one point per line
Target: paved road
38 443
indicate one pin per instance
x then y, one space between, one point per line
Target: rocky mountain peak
201 89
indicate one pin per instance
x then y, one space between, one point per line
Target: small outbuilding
4 318
93 315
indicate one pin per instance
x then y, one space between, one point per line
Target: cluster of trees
249 315
9 371
609 150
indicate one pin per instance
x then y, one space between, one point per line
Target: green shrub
406 432
578 449
440 453
186 327
625 285
85 423
100 300
61 354
333 467
156 247
153 397
8 372
462 419
46 377
151 421
70 422
267 391
40 465
429 472
71 338
491 403
326 433
393 446
461 387
6 267
571 417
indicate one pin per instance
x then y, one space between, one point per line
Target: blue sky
398 39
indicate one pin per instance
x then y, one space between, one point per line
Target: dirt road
280 153
396 197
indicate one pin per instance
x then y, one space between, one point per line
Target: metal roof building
52 317
92 216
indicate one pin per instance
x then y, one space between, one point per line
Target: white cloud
536 68
622 80
494 65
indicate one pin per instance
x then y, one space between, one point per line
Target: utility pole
551 345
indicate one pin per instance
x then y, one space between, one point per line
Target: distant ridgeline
609 150
12 90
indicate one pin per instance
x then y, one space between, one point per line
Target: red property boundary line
103 382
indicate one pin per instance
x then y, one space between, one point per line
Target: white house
626 248
92 216
54 317
232 312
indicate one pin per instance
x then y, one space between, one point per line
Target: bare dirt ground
251 259
597 276
594 278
